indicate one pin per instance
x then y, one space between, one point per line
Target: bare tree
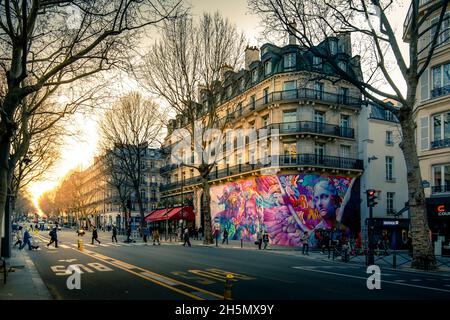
368 22
185 68
126 131
43 46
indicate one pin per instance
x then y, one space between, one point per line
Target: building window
229 91
289 120
319 151
444 32
345 151
239 108
390 202
319 90
265 121
441 178
343 95
441 80
389 168
342 65
333 47
317 63
253 102
389 140
441 130
242 84
289 90
266 95
255 75
267 68
389 115
289 61
290 153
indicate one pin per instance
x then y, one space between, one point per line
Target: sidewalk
23 281
402 259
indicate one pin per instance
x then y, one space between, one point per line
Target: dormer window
289 61
229 91
264 51
255 75
317 63
333 47
343 66
267 68
242 84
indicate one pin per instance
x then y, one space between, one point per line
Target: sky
79 151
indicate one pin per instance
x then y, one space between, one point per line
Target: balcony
437 144
439 92
283 161
440 189
299 127
407 22
292 95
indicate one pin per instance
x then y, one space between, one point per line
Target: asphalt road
173 272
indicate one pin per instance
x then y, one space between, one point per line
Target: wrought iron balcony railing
437 144
440 189
277 161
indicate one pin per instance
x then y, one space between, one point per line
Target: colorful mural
286 206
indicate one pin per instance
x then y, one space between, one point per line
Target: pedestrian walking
53 237
325 242
146 234
18 237
128 234
95 235
259 239
305 244
225 236
27 241
186 237
265 239
200 232
156 237
114 234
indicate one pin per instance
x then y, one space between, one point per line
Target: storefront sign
390 223
442 211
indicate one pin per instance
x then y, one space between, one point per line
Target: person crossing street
53 237
114 234
95 235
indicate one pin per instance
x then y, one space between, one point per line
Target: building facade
384 171
432 117
289 161
102 200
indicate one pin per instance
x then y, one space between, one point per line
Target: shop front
438 211
396 230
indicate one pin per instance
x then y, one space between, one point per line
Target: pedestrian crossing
42 245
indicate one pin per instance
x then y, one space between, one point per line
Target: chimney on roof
291 33
251 54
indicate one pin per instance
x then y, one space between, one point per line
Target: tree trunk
207 211
4 155
423 255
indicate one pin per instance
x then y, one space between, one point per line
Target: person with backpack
53 237
114 234
95 235
259 239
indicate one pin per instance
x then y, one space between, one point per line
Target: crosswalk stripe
64 246
90 245
103 245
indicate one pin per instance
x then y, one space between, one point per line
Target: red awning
155 213
172 214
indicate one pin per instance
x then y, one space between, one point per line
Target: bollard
227 292
80 245
241 244
394 260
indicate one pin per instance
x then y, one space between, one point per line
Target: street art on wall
286 206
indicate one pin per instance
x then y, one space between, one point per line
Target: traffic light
371 197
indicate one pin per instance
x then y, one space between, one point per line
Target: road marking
103 245
356 277
143 273
64 246
90 245
416 280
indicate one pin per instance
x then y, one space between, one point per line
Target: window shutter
424 136
424 92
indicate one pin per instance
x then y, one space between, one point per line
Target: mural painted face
325 199
285 206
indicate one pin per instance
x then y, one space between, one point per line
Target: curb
42 291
